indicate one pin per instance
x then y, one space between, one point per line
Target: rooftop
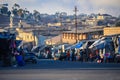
84 31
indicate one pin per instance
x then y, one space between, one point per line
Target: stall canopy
38 48
77 46
87 44
100 43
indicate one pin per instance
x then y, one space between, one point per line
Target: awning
78 45
100 43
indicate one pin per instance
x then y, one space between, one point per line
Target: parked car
30 57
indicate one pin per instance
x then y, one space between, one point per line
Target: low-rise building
111 31
54 40
100 17
37 37
54 24
27 37
91 22
83 34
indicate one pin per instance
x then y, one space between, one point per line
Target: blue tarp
79 45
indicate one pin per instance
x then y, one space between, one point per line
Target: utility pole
75 10
61 26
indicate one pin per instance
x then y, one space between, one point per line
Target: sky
84 6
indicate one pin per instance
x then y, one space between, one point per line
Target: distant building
100 17
30 36
54 24
27 37
91 22
107 16
54 40
37 35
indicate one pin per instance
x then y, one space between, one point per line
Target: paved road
57 70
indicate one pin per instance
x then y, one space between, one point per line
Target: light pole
75 10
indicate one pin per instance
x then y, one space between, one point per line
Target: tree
36 15
4 10
16 6
14 11
20 12
26 11
9 13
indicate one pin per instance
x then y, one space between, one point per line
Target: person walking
68 55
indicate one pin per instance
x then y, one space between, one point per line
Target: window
27 36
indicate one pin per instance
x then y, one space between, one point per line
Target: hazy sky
84 6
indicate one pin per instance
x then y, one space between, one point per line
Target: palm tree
36 15
16 6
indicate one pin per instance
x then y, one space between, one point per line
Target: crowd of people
84 56
103 53
105 49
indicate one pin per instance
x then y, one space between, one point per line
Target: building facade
85 34
111 31
28 37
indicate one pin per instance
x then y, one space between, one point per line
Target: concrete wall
25 36
71 38
111 30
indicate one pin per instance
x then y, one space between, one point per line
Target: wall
25 36
111 30
71 37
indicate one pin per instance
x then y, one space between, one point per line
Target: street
62 70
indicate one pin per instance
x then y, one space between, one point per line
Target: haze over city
84 6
